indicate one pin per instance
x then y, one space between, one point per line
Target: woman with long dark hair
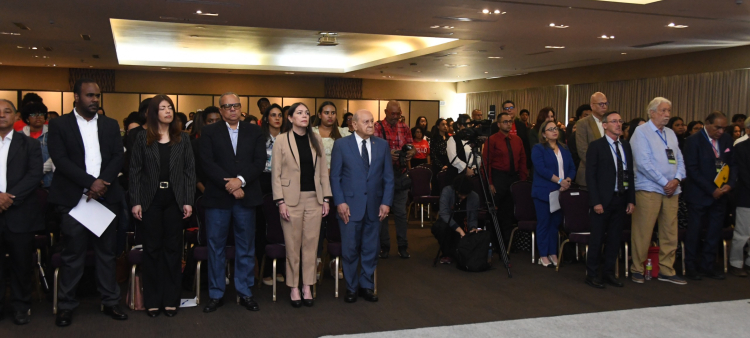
302 191
545 114
272 124
162 187
677 124
421 123
327 127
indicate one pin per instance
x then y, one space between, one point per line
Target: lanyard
663 139
715 149
614 151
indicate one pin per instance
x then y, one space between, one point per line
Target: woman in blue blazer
553 170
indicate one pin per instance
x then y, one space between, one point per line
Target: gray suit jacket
586 132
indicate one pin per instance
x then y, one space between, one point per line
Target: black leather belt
621 193
163 185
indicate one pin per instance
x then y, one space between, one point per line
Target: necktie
365 155
714 147
620 171
512 163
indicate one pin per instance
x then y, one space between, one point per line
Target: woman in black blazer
162 187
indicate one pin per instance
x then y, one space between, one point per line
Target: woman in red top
421 146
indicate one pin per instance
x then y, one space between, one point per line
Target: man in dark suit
609 176
362 186
737 261
705 153
232 154
20 174
87 151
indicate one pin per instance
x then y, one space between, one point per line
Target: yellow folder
723 176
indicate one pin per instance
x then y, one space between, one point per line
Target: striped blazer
144 171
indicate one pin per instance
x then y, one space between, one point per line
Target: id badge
625 179
670 156
718 163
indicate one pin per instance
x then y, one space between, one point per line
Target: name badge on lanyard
670 156
719 164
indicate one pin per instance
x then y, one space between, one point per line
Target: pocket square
726 150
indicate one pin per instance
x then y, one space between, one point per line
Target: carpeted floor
412 294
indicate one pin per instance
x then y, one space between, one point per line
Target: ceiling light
605 37
633 2
91 66
673 25
435 26
623 53
486 72
33 48
486 11
494 57
289 73
36 56
10 33
19 46
554 47
54 65
198 12
165 68
494 77
459 66
497 11
200 27
557 26
1 63
331 33
45 57
206 14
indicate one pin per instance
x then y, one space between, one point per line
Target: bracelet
559 181
279 203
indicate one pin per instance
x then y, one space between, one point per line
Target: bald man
362 187
398 135
589 129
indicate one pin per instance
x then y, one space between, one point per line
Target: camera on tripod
475 132
402 154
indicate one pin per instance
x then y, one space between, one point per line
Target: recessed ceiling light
198 12
485 11
497 11
19 46
554 47
486 72
45 57
435 26
165 68
54 65
330 33
557 26
634 2
494 77
673 25
36 56
623 53
33 48
494 57
200 27
605 37
10 33
290 73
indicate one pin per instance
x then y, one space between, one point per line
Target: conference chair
333 248
524 212
575 208
275 248
421 191
200 251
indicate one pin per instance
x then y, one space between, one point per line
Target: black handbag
473 252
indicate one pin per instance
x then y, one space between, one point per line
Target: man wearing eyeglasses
706 153
233 155
506 156
589 129
517 127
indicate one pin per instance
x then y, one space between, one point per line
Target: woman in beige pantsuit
302 191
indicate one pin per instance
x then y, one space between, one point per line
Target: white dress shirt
4 147
368 145
743 138
599 124
90 135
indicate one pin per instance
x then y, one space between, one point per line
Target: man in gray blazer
589 129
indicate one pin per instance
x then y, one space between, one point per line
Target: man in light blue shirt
659 169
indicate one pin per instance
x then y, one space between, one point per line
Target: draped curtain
533 99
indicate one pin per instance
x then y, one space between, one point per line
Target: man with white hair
589 129
659 168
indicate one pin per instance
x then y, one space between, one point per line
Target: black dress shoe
153 313
714 275
307 302
368 295
594 282
692 274
115 312
170 313
384 253
249 303
21 317
350 297
403 253
213 304
611 280
64 318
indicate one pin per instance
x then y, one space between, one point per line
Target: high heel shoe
297 303
552 261
307 302
544 265
153 313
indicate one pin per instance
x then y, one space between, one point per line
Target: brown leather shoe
737 272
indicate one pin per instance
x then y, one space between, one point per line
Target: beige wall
688 63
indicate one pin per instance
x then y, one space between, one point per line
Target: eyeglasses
36 115
603 104
552 129
506 122
231 105
509 108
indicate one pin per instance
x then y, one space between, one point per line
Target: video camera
402 154
475 132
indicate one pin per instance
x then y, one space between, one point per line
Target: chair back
274 233
200 219
523 203
575 209
333 233
420 181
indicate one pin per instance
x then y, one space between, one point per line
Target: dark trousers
162 261
502 180
606 229
359 246
705 256
398 210
447 238
76 241
217 231
20 263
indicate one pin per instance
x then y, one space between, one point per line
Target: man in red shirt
506 156
397 134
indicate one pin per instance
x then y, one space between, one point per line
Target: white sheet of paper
188 302
554 201
93 215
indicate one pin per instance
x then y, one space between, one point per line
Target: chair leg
315 284
262 268
560 256
41 277
336 274
726 268
54 293
132 287
510 242
274 279
683 258
198 283
627 261
428 211
421 214
533 248
375 281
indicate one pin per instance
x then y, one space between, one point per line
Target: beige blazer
285 169
586 132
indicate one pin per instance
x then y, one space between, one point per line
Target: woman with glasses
302 191
34 115
553 170
162 187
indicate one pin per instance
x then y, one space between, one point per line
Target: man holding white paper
87 151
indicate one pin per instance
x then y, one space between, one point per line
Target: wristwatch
325 200
280 202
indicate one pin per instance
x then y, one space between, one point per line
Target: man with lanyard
398 135
706 153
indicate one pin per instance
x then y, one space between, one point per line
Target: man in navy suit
705 153
609 176
362 185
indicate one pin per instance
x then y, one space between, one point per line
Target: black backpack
472 252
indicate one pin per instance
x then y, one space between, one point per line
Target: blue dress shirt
652 168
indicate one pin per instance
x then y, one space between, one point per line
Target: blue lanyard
716 150
662 138
622 157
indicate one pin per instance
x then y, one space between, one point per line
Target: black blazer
145 167
742 161
67 152
601 172
23 177
220 162
701 168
